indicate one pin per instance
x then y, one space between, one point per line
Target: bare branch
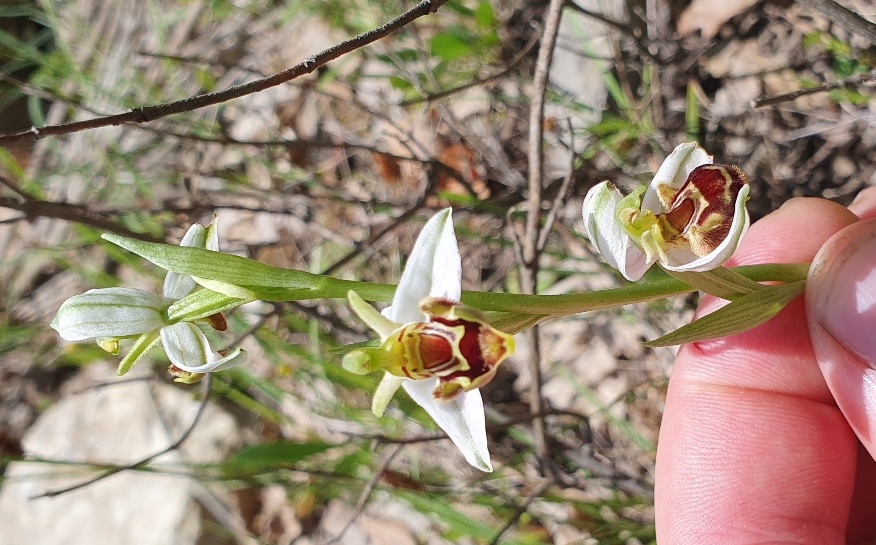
478 81
205 390
146 114
529 254
844 17
850 82
76 213
520 510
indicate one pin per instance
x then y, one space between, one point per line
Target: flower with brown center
690 218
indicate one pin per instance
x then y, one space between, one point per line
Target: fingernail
843 287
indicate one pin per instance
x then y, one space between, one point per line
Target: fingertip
841 308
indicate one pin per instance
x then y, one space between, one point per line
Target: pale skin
769 436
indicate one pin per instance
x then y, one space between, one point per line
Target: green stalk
565 304
276 284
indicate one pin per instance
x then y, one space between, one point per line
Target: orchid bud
109 313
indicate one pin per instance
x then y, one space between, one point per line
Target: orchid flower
111 314
437 349
690 218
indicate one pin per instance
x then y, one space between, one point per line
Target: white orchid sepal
690 218
109 313
420 348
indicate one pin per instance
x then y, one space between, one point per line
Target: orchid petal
177 285
212 238
110 312
608 235
683 259
373 319
462 418
673 173
188 349
434 269
385 390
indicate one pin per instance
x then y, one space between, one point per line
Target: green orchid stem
563 305
251 279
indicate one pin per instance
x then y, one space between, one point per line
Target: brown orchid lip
702 211
455 346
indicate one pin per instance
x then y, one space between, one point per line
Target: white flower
113 313
422 347
690 218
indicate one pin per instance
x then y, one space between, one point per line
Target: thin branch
12 186
491 428
844 17
402 218
561 195
852 81
520 510
624 28
477 81
290 144
146 114
529 250
366 493
33 209
139 464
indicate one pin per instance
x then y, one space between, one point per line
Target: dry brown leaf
461 158
707 16
388 168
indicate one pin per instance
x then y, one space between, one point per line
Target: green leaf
720 282
228 268
746 312
268 456
400 83
257 279
692 114
485 17
457 523
449 46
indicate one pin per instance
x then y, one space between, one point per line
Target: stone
116 422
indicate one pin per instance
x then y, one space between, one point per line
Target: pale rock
578 70
119 423
708 16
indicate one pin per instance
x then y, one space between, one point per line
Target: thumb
841 301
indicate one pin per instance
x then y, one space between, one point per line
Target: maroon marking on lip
703 209
470 348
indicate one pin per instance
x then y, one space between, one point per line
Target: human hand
769 436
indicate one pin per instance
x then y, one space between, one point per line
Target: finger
841 304
752 447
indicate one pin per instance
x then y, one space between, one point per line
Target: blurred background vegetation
334 173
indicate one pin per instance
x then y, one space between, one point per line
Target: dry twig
844 17
853 81
146 114
530 252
